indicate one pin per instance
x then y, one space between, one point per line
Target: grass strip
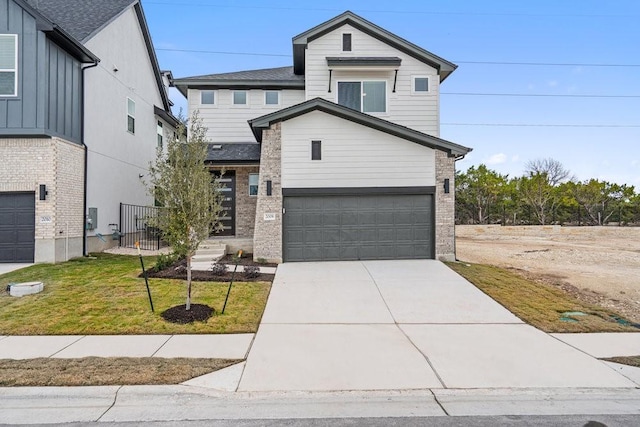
97 371
538 304
626 360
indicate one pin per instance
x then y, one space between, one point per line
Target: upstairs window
420 85
8 65
160 135
207 97
239 97
131 115
272 97
368 97
346 42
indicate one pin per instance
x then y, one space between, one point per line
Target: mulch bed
179 314
247 259
179 271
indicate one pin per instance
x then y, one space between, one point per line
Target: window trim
160 135
132 132
233 98
278 92
362 81
13 70
420 92
256 185
342 41
316 150
215 97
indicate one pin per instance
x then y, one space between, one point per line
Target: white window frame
15 66
215 97
233 104
132 116
256 185
386 94
277 92
160 135
420 92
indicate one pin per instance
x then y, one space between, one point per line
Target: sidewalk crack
115 398
439 403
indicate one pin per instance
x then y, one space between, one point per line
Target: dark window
421 84
316 150
346 42
350 95
368 97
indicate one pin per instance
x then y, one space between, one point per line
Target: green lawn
536 303
103 295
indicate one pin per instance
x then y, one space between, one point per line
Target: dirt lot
597 264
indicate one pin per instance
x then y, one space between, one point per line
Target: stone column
445 207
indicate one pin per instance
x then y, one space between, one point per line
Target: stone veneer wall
245 204
267 240
445 207
29 162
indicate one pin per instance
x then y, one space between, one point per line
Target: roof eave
264 122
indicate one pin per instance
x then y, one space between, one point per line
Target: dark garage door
357 227
17 227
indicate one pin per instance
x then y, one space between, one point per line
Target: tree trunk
188 282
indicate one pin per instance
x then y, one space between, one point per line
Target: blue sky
591 123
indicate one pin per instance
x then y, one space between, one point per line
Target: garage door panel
358 227
17 227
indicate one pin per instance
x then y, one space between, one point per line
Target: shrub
218 269
251 271
165 261
261 260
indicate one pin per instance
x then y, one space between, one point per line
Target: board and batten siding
353 155
227 122
419 112
49 82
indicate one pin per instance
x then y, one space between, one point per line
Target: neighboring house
341 158
83 106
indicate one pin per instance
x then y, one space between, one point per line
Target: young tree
187 191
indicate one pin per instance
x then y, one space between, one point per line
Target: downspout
86 158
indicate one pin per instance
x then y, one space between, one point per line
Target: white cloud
497 159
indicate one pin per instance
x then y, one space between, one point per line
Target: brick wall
267 241
58 164
445 207
245 204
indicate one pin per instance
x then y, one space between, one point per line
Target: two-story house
337 157
83 106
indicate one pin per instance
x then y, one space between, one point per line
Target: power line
544 64
563 125
549 95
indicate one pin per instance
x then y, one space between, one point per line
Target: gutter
86 158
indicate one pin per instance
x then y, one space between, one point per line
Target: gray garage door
17 227
358 227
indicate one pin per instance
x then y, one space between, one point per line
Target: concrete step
206 258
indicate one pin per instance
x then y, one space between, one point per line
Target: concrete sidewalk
377 325
232 346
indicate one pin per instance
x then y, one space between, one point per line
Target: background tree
555 172
478 191
190 196
538 193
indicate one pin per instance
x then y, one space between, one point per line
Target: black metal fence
136 225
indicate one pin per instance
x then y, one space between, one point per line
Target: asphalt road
493 421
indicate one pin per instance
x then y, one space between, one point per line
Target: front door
228 219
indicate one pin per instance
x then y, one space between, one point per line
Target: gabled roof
58 34
268 78
301 41
318 104
82 18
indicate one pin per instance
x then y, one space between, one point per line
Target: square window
8 65
131 115
272 97
346 42
253 184
240 97
316 150
421 84
207 97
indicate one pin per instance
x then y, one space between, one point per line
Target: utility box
92 219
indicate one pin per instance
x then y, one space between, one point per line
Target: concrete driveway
9 267
386 325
